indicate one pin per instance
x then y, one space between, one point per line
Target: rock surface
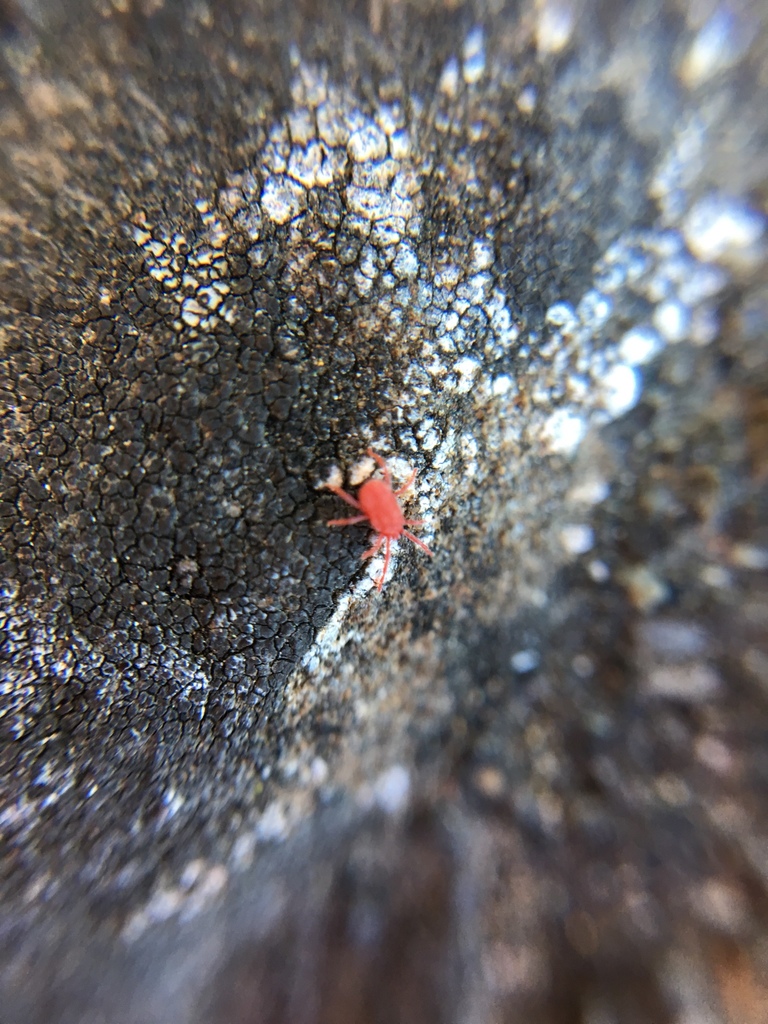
518 247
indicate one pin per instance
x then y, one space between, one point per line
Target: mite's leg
418 543
380 580
372 550
347 522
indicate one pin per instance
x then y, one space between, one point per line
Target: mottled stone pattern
517 247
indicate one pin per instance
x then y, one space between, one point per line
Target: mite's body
378 505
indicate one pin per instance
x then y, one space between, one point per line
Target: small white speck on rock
361 470
747 556
474 56
273 823
392 789
673 640
335 478
577 538
526 101
524 661
639 346
590 490
672 320
724 229
691 683
620 389
556 20
564 430
562 314
716 46
318 771
599 571
449 78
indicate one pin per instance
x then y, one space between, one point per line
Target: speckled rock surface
517 247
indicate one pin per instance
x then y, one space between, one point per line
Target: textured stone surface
519 247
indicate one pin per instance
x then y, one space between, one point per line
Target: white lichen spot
392 789
689 683
717 577
430 440
467 369
191 312
282 199
673 639
482 256
525 661
311 166
375 566
577 538
724 229
173 802
717 45
595 309
640 345
599 571
505 330
620 390
717 756
469 455
301 126
590 490
361 470
335 478
310 86
564 431
448 276
501 385
749 556
554 25
331 129
474 56
527 100
562 315
210 298
449 78
332 636
273 824
406 262
390 118
672 320
368 143
318 771
400 145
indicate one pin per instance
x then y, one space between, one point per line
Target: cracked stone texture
518 247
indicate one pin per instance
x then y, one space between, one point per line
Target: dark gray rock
520 248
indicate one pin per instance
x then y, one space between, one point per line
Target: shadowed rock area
519 248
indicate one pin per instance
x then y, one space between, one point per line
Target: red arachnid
378 504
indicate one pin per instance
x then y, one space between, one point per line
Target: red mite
378 505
